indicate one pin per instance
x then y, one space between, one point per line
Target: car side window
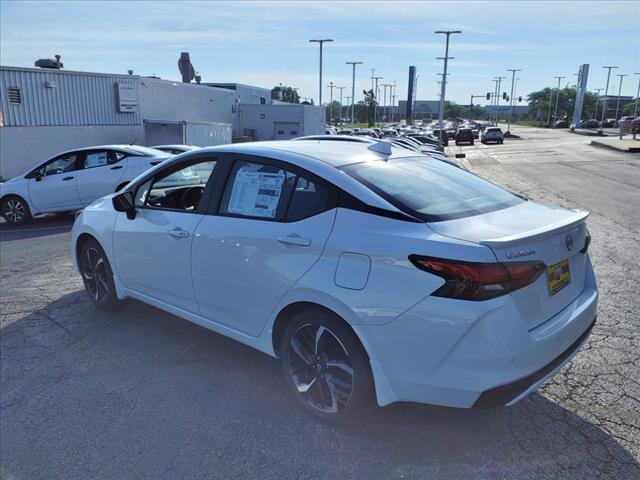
62 164
176 189
98 159
262 191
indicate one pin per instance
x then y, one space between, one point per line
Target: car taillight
478 281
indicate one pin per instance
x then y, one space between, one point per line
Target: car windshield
431 190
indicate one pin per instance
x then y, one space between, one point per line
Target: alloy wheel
94 273
14 210
320 368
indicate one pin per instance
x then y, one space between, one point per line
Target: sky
266 43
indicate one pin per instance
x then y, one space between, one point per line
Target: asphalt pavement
139 393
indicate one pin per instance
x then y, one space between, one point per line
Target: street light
353 90
377 94
321 42
622 75
635 110
555 112
498 98
604 101
597 90
446 58
513 80
384 107
331 86
341 88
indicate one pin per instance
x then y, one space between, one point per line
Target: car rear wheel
15 210
326 367
97 275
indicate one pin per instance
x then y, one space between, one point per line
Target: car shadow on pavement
39 227
139 393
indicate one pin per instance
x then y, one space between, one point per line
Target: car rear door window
268 192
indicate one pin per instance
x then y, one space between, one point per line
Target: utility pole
331 86
341 114
513 81
494 114
622 75
446 58
604 101
353 90
597 90
498 98
393 99
384 108
373 76
321 42
635 109
555 111
376 93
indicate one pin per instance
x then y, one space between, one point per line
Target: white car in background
72 180
372 272
175 149
492 134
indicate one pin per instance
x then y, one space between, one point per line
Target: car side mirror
123 202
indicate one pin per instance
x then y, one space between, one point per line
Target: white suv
492 134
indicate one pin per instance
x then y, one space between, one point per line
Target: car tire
457 143
15 210
97 275
326 367
472 142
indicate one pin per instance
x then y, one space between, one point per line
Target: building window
14 95
263 100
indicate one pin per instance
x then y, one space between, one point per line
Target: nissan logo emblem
568 241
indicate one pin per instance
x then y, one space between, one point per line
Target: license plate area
558 276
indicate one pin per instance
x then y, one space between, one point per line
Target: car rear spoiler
571 220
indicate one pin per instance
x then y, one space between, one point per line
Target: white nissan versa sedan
371 271
74 179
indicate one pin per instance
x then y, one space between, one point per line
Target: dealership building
45 111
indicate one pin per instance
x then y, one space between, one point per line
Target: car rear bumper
473 354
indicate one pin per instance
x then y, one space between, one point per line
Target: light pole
550 101
340 88
635 109
393 99
597 90
321 42
498 98
331 86
376 93
555 111
446 59
471 104
513 82
373 76
494 110
353 90
604 101
622 75
384 108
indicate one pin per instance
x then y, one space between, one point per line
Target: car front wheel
97 275
15 210
326 367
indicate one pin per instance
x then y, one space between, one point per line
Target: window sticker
256 194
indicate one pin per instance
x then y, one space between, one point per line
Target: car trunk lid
531 232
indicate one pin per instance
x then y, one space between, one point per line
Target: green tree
332 111
629 108
540 101
289 94
452 110
370 104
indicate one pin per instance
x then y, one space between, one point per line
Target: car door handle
117 167
295 240
178 233
67 178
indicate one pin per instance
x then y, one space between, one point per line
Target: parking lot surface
139 393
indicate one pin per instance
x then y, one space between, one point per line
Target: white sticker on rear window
256 194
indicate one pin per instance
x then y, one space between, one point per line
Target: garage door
286 130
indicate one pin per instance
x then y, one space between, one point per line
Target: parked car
374 274
492 134
175 149
464 135
445 136
610 123
561 124
71 180
592 123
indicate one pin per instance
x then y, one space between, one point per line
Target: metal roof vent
382 147
53 63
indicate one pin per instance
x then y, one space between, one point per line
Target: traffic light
504 95
488 95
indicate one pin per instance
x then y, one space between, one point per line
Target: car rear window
430 189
